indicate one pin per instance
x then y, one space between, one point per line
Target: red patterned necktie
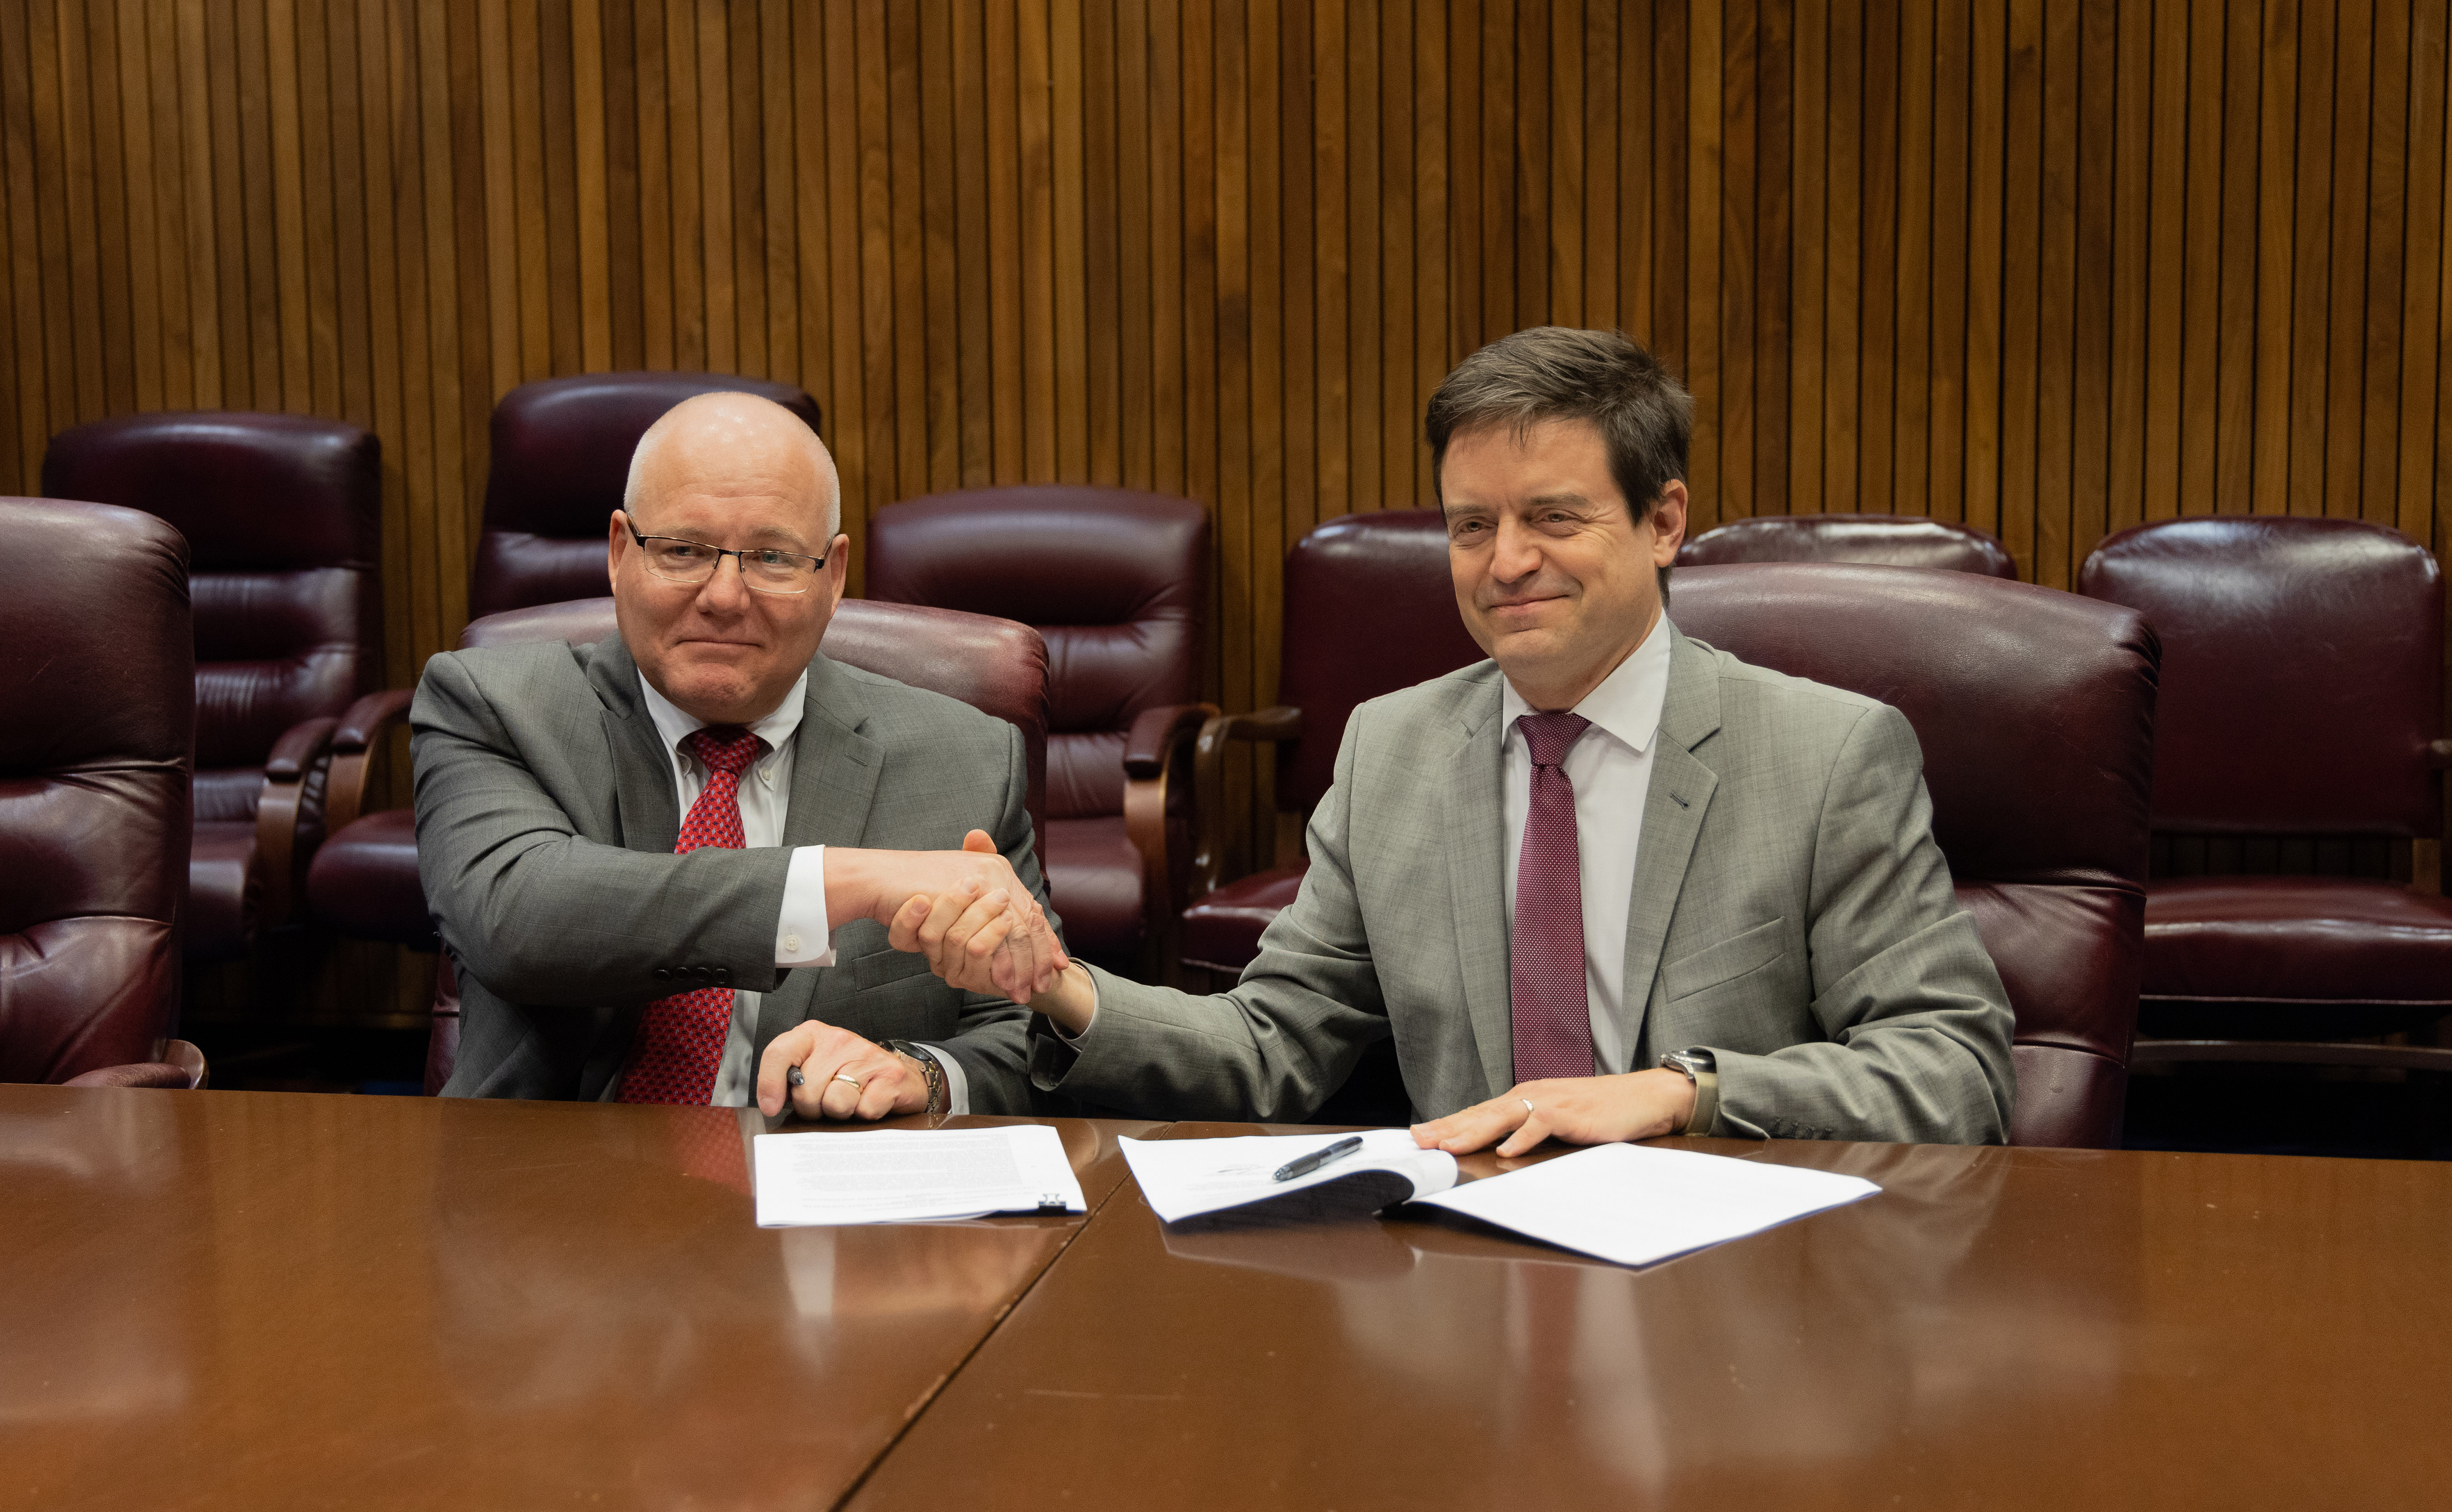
681 1038
1546 982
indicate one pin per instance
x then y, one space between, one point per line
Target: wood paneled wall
2051 267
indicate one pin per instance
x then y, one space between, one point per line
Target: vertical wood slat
2053 269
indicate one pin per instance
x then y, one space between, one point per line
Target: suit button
663 973
723 976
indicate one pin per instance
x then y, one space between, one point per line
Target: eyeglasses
692 562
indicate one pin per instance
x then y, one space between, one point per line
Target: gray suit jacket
545 821
1790 911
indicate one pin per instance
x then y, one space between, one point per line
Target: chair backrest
1370 608
99 685
2035 710
1886 540
284 521
995 666
561 459
1116 582
2303 672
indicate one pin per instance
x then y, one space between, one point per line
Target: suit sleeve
1280 1042
993 1038
1917 1022
542 916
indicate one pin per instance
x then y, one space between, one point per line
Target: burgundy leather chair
994 665
1117 583
99 679
1370 608
1888 541
2035 710
282 515
2302 697
560 462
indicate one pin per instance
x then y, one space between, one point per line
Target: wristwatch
1702 1070
934 1072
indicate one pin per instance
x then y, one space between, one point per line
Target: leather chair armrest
177 1065
361 735
293 791
1275 723
1157 751
2439 754
1155 732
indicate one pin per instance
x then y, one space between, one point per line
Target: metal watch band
930 1070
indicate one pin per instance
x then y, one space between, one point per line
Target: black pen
1305 1164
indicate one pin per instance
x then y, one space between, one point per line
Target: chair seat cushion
1222 932
1094 872
224 891
363 881
2297 939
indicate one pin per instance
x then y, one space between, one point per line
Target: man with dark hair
1610 883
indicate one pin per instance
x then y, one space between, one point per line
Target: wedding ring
854 1080
1528 1104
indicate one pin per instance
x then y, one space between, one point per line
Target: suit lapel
648 817
1476 885
834 770
1681 792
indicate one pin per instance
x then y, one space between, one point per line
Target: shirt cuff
957 1087
800 936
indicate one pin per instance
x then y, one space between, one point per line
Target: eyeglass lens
688 561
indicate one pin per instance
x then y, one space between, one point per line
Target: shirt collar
674 725
1627 703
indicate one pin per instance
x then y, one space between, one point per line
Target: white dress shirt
802 932
1610 767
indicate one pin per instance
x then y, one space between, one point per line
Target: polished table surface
1998 1328
278 1299
265 1300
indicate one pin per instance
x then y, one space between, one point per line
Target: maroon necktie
1554 1015
681 1038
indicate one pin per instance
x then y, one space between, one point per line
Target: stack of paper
1634 1204
897 1175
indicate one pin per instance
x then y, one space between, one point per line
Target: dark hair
1552 372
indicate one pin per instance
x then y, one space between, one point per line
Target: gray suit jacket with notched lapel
545 822
1790 911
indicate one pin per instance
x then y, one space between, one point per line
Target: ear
1668 522
617 546
838 570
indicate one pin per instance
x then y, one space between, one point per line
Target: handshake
965 910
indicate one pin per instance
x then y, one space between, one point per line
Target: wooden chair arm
1155 732
1278 723
361 735
1158 754
293 780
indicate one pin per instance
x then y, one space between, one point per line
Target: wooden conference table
265 1300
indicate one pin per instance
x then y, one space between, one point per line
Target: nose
1517 553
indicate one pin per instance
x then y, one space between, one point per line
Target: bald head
738 474
736 445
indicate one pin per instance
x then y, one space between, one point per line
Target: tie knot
1550 737
724 748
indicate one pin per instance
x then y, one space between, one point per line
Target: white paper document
1636 1203
900 1175
1184 1178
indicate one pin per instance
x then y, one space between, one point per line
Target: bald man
665 863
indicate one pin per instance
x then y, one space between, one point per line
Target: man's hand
1579 1110
970 896
888 1083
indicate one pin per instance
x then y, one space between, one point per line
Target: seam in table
934 1392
